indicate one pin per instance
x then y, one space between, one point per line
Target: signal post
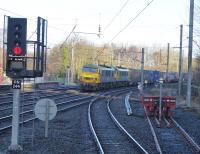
15 62
15 65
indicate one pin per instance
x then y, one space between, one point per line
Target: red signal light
17 50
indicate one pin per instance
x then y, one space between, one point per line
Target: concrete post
180 61
15 122
190 53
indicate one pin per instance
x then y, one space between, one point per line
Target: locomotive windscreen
89 69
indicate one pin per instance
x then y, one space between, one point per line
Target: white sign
45 109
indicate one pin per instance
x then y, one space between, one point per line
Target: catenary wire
116 15
126 26
99 53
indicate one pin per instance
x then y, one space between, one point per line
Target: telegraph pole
168 45
190 53
180 75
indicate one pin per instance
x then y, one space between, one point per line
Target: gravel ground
135 124
68 133
171 141
188 118
110 137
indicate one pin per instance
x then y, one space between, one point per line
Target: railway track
170 137
136 127
113 129
29 102
109 134
62 100
185 134
28 115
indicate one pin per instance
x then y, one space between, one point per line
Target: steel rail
59 110
10 95
62 103
35 118
186 135
90 119
167 122
29 104
92 127
123 129
153 132
32 98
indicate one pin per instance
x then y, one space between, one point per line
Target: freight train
96 77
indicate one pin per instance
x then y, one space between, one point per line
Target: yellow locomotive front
89 77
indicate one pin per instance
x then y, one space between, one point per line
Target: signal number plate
16 84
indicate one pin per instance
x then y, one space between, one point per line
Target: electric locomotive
95 77
121 76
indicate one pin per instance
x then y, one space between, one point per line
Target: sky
158 24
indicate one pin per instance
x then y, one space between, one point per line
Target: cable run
68 36
131 21
30 19
32 34
100 52
17 14
116 15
